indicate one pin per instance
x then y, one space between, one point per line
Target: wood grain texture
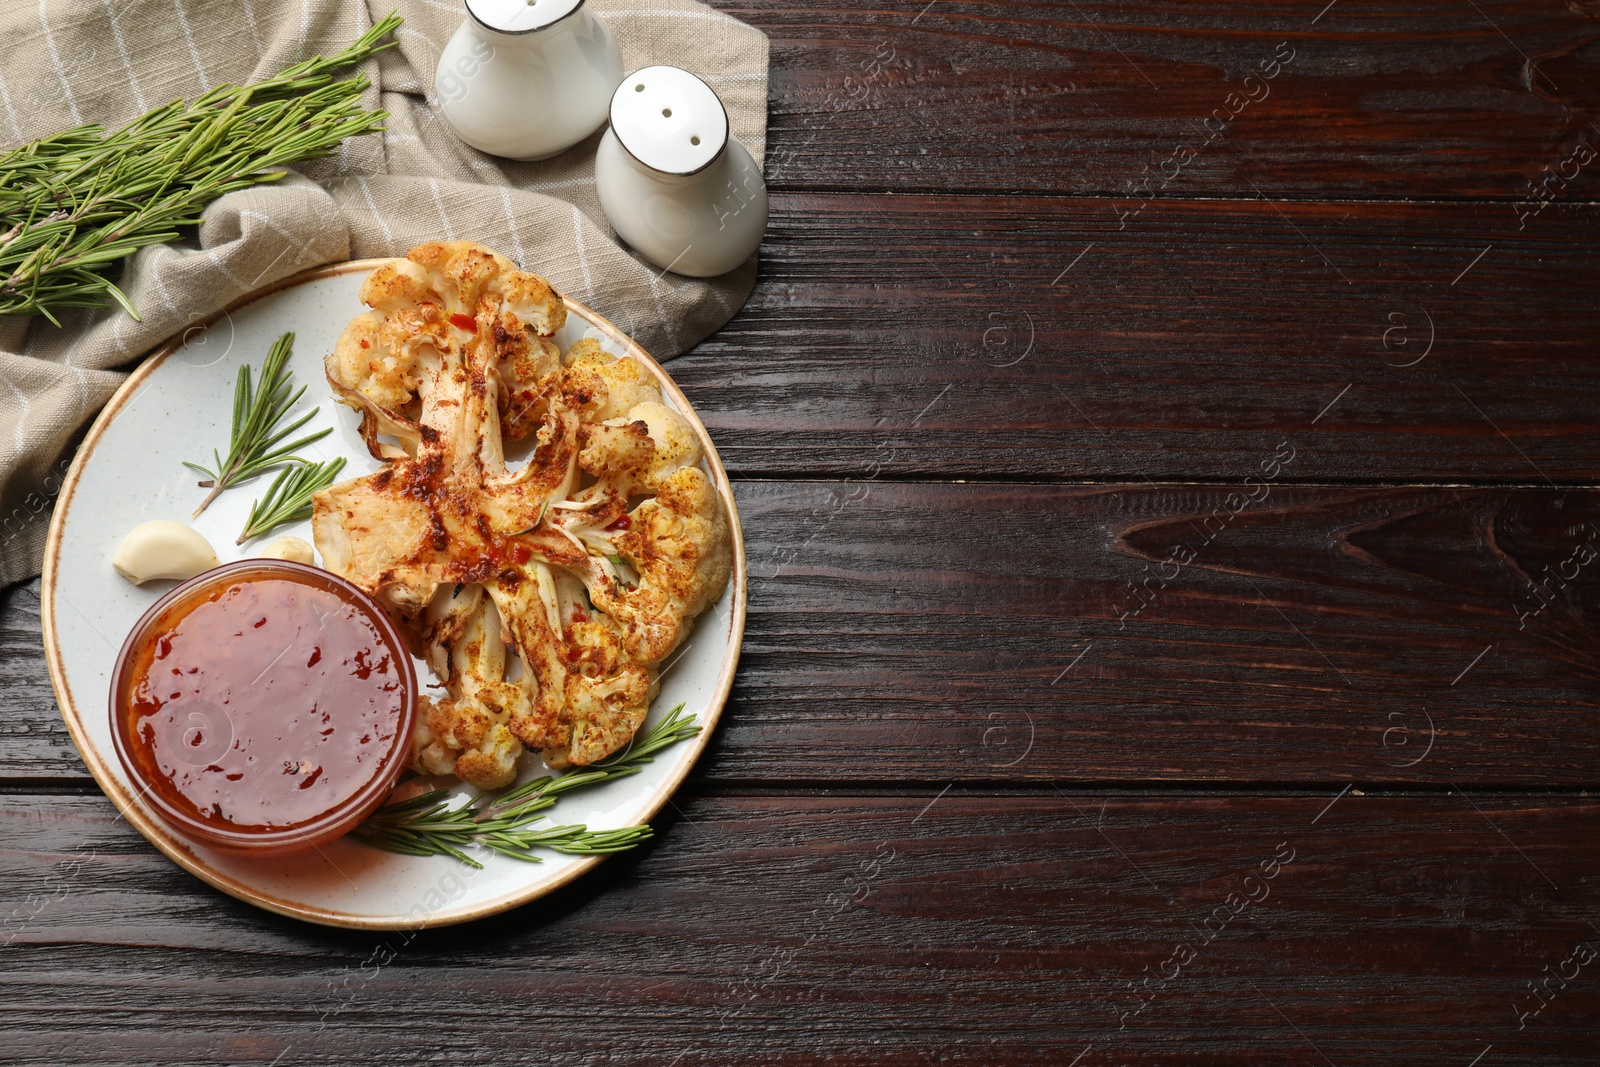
1132 633
979 337
1135 633
1146 746
1378 99
976 929
34 743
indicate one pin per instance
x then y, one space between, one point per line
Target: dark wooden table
1166 436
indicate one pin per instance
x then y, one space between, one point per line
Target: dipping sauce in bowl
263 707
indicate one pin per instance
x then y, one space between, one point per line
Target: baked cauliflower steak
545 598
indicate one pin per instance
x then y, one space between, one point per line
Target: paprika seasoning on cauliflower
587 565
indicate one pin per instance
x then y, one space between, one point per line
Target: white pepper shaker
527 79
675 184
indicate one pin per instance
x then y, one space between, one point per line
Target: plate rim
176 848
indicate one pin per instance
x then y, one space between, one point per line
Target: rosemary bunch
74 204
426 826
255 445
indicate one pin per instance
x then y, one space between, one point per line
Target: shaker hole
666 112
639 88
694 140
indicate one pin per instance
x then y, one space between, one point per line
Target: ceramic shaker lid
521 16
669 120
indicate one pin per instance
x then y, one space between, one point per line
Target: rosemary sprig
289 497
426 826
255 440
74 204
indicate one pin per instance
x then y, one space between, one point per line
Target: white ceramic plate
177 407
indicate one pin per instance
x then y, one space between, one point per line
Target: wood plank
862 930
987 337
1040 633
1377 99
1033 632
34 742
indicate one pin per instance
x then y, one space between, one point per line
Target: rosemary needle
255 443
289 497
426 826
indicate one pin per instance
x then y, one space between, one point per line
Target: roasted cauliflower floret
608 697
446 296
381 354
464 741
382 375
523 369
546 597
584 349
677 543
398 285
675 443
623 451
627 382
530 299
468 732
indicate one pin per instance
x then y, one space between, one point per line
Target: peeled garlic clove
290 548
162 549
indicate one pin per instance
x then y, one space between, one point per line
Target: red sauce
500 552
262 704
464 322
621 524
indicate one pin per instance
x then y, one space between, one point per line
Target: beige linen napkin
68 62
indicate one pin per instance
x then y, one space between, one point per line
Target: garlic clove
289 548
162 549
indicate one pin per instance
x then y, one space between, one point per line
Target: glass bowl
263 707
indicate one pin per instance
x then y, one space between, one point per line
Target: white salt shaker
676 185
527 79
